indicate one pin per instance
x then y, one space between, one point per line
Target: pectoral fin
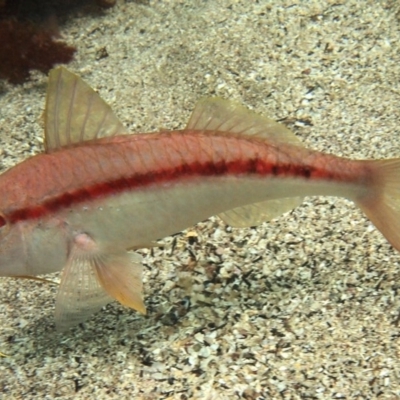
80 293
92 278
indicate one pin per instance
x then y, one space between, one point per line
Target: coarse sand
304 307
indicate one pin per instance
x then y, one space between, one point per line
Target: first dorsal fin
215 114
75 113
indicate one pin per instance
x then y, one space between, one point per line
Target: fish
97 193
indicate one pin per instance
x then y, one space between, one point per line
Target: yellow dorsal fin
214 114
74 112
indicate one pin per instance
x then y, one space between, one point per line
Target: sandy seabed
303 307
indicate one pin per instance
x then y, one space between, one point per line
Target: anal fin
257 213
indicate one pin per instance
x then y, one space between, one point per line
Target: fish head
31 247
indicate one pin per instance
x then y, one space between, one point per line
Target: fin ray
257 213
94 277
214 114
80 293
121 277
74 112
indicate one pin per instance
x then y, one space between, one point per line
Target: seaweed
26 46
29 41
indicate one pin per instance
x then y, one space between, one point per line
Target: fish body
97 191
113 188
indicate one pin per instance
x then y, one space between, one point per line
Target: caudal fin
382 205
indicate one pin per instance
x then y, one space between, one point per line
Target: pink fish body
97 192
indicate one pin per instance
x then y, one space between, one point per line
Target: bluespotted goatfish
97 192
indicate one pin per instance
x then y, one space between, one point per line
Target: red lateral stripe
120 185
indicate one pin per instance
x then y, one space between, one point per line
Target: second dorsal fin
215 114
74 112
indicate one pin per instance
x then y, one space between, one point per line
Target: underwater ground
304 307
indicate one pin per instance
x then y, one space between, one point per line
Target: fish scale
124 171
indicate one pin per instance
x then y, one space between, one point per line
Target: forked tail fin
382 206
